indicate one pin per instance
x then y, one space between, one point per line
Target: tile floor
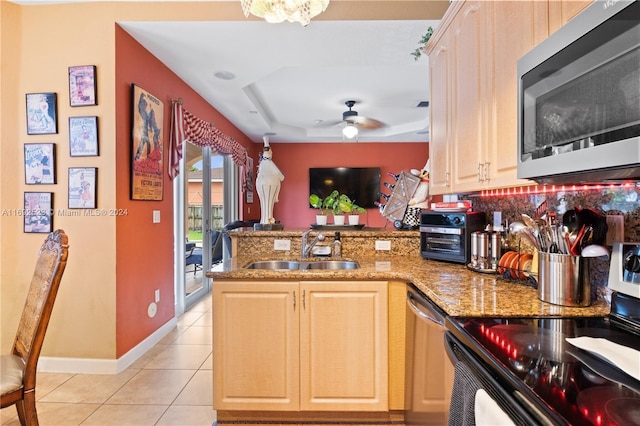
170 385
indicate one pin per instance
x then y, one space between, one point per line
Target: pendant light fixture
276 11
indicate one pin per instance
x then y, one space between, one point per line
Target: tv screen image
360 184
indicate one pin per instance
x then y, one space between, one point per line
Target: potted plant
352 210
318 202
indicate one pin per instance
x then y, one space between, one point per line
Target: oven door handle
430 316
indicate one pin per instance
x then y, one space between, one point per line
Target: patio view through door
203 214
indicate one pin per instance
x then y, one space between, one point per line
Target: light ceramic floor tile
180 357
203 305
126 415
199 390
147 356
9 416
54 414
208 364
46 382
193 416
152 387
89 388
196 336
188 318
171 336
206 320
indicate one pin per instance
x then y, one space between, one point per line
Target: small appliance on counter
446 235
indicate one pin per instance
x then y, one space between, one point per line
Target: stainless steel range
534 373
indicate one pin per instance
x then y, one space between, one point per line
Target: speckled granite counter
457 290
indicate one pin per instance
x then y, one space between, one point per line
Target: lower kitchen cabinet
300 346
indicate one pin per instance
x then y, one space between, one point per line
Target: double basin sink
294 265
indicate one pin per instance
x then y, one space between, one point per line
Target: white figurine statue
268 184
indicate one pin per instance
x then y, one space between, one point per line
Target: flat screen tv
360 184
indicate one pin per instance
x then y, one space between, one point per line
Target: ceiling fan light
350 131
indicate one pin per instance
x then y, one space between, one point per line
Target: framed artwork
82 85
82 187
39 163
83 136
146 146
38 212
41 114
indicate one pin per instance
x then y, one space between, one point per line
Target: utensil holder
563 279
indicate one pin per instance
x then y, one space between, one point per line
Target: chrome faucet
306 246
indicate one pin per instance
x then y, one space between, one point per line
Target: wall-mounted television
360 184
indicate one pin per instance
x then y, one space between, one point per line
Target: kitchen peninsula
279 334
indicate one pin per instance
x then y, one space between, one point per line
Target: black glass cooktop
532 355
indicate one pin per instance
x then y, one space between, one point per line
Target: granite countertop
455 289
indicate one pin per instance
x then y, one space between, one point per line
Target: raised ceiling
292 81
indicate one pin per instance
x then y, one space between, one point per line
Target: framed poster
82 85
146 146
39 163
82 187
83 136
38 212
41 114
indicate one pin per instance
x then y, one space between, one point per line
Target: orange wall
144 254
294 160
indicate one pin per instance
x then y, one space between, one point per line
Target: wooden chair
18 369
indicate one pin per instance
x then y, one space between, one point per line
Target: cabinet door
255 346
469 42
440 81
522 25
343 346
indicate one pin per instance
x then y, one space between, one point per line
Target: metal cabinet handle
294 300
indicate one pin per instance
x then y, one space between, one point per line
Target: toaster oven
447 235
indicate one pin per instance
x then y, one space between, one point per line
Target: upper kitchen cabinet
562 11
472 58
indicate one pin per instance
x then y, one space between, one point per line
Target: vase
338 219
321 219
354 219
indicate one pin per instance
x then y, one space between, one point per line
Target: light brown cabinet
473 78
300 346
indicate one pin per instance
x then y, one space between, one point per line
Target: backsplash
623 201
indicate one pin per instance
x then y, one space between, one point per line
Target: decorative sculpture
268 188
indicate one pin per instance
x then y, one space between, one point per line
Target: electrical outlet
383 245
282 245
615 229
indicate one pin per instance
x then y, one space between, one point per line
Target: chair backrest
52 260
216 246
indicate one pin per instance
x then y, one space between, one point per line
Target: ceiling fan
352 117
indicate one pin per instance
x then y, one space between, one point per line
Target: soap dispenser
337 245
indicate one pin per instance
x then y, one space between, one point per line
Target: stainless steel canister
496 249
474 249
563 279
483 250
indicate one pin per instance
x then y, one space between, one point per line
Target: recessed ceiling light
224 75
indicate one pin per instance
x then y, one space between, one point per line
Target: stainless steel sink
292 265
274 265
333 265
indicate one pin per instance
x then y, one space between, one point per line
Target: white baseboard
104 366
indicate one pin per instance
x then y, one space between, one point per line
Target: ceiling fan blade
366 123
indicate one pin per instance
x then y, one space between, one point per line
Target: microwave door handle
430 316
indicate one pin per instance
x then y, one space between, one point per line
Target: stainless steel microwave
579 99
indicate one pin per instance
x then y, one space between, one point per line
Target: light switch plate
156 216
383 245
284 245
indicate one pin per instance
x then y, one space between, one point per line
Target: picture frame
82 85
82 187
39 163
146 146
42 113
83 136
38 212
